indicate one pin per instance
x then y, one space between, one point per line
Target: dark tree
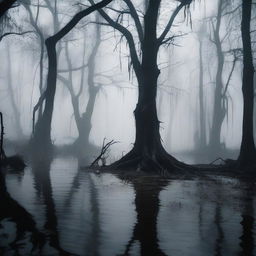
148 152
247 151
42 134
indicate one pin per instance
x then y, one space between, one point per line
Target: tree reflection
147 205
10 209
247 223
42 181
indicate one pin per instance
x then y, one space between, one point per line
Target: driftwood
102 156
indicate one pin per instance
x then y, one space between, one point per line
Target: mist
133 88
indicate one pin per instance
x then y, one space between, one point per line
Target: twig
104 149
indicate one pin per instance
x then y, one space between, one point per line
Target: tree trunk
148 153
218 111
42 135
247 150
147 141
202 136
84 125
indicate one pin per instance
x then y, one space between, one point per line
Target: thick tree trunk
148 153
147 139
247 151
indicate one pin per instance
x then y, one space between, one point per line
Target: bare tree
247 151
221 98
148 152
42 135
83 120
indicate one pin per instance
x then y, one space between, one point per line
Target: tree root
160 162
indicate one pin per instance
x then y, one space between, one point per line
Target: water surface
84 213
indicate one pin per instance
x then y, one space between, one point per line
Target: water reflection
12 211
147 207
56 209
43 187
247 223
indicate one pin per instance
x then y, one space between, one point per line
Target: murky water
82 213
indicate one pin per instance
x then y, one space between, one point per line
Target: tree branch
136 19
15 33
128 36
169 24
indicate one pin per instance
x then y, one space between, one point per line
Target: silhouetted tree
42 135
52 8
148 152
247 151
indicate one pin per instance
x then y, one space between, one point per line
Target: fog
112 118
127 127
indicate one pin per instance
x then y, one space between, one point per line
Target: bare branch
128 36
136 19
15 33
169 24
104 149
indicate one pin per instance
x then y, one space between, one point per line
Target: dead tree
148 153
42 135
247 154
220 105
83 118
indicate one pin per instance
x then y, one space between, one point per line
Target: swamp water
85 213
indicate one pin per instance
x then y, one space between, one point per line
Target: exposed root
161 162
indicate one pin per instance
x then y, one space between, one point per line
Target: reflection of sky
193 214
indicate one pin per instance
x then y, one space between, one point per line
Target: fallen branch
104 150
219 158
